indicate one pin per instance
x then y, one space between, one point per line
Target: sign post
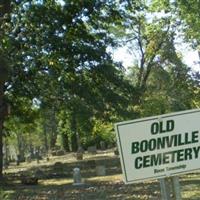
160 146
176 187
165 192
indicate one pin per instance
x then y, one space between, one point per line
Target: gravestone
92 149
77 177
60 153
80 152
79 156
39 174
100 167
37 156
53 153
80 149
5 163
116 151
103 145
58 165
28 159
28 178
100 170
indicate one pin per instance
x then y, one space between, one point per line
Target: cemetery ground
55 180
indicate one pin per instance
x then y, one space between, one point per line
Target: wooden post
164 189
176 188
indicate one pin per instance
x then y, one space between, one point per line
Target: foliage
101 132
168 90
57 57
61 80
25 137
189 13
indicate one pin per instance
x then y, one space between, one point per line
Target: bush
101 132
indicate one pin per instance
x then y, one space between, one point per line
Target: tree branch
142 60
150 63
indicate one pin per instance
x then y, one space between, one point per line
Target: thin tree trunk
74 142
53 134
74 131
65 141
1 129
45 138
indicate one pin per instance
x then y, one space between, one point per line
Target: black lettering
156 159
135 147
166 158
195 136
187 141
144 146
196 151
160 143
170 125
188 154
180 155
146 161
154 128
152 144
161 128
169 141
175 140
180 142
138 163
172 157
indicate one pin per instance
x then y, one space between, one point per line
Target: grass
110 187
97 188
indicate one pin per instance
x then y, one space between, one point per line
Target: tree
168 90
4 72
73 59
164 83
189 14
147 37
58 56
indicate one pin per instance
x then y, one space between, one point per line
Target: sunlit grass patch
56 182
110 178
190 191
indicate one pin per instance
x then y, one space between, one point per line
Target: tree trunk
5 8
65 141
53 133
74 142
45 138
64 137
1 129
21 150
74 136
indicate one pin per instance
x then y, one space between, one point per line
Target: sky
190 57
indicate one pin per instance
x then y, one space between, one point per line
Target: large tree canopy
61 52
58 58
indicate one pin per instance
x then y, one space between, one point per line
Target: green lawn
94 188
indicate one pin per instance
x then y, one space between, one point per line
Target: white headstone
77 177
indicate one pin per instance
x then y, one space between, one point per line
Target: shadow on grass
57 189
98 188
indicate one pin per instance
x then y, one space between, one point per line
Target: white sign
159 146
